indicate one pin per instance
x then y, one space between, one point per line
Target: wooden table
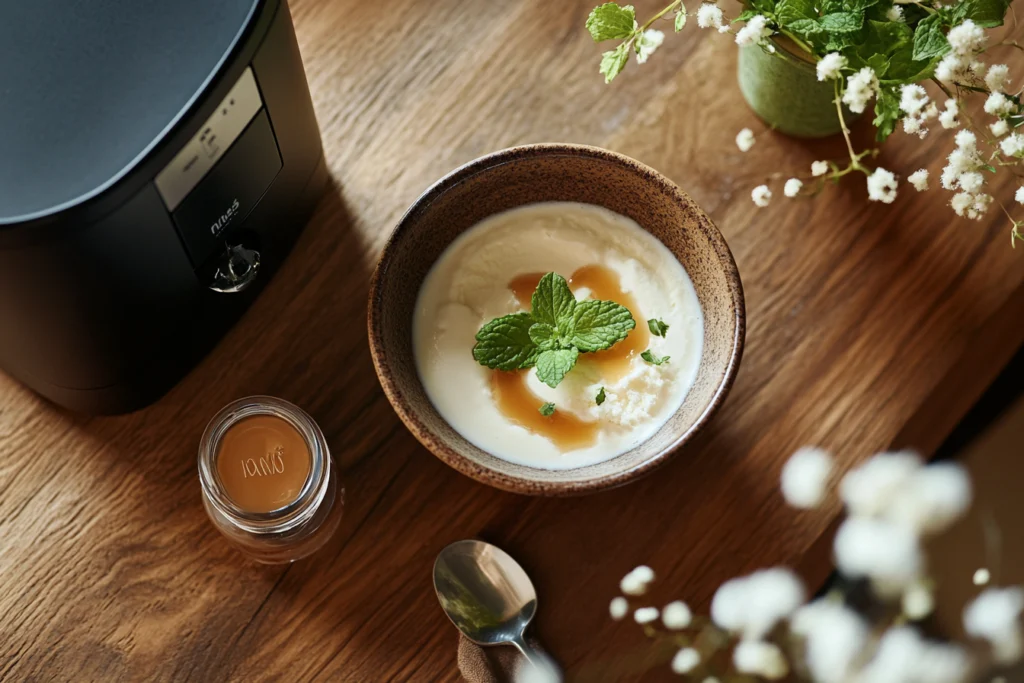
870 326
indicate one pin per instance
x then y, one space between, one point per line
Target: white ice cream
468 286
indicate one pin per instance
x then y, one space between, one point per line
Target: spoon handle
535 658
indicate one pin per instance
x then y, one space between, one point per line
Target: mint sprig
547 410
652 359
553 334
657 327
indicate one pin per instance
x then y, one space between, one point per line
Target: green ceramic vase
784 90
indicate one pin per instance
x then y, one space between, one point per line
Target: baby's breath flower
830 66
685 661
979 207
649 41
971 181
618 608
903 655
917 601
819 168
676 615
966 140
994 615
961 202
999 128
1012 145
967 38
882 186
867 489
998 104
995 78
645 615
954 68
948 119
860 88
913 98
983 576
792 187
760 659
805 475
755 31
761 195
752 605
635 582
914 125
834 637
919 179
745 139
894 13
888 554
709 15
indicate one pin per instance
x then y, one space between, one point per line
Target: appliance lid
87 88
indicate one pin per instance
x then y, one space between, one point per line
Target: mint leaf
805 27
745 15
612 63
842 22
929 40
547 410
788 11
611 22
858 5
883 38
597 325
599 399
652 359
553 303
680 18
879 64
984 13
657 327
552 365
505 343
887 112
544 336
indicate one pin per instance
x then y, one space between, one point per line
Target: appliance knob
237 270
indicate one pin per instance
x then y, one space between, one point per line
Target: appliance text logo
222 222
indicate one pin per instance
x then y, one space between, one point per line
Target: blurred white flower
635 582
948 119
995 78
919 179
745 139
805 475
712 679
760 659
967 38
917 602
1019 195
1012 145
937 495
830 66
761 195
649 41
752 605
995 616
645 615
676 615
913 98
979 205
868 488
894 13
999 128
888 554
755 32
685 661
618 608
792 187
819 168
983 576
903 656
834 638
860 88
709 16
882 186
998 104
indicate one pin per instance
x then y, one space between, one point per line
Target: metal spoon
487 595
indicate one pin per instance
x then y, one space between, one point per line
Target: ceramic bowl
542 173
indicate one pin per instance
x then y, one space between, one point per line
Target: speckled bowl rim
525 485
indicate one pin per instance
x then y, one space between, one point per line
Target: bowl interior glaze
540 173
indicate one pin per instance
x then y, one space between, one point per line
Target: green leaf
838 42
553 303
552 365
879 64
887 112
652 359
613 62
805 27
745 15
929 40
597 325
788 11
544 336
680 19
611 22
903 68
842 22
858 5
505 343
883 38
547 410
763 6
657 327
984 13
599 399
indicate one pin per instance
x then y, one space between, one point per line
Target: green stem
854 159
804 46
660 14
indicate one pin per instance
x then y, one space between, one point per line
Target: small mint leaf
652 359
842 22
614 61
553 302
505 343
788 11
611 22
680 18
984 13
599 399
547 410
657 327
598 325
544 336
929 40
745 15
553 365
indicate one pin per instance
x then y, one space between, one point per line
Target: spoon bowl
486 594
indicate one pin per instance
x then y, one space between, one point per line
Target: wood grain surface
869 326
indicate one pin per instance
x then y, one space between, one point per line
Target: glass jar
268 481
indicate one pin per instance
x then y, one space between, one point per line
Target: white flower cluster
761 195
882 186
830 66
861 87
963 172
961 65
709 15
949 118
755 32
918 109
745 139
805 478
649 41
995 616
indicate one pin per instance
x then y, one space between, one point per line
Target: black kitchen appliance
157 161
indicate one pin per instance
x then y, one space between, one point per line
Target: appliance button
224 198
237 270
